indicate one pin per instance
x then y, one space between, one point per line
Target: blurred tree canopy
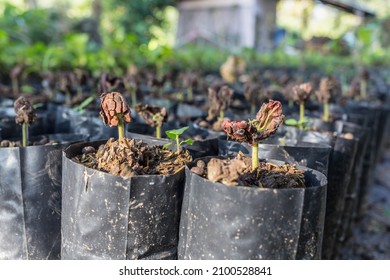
137 17
94 34
110 35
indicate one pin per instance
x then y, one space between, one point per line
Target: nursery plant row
239 164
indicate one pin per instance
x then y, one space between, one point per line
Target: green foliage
43 40
203 58
297 123
161 58
174 135
81 107
29 26
37 105
137 17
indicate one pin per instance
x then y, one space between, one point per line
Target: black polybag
30 200
87 123
340 170
351 198
112 217
205 141
225 222
367 117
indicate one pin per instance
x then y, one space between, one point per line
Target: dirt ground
371 235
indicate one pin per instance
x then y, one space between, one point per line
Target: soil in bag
121 216
240 222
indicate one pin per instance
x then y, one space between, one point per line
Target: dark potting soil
129 157
238 172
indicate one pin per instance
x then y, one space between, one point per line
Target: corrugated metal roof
349 8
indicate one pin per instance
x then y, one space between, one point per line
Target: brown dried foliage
301 93
232 68
254 93
327 89
152 115
219 101
241 131
189 79
114 105
24 111
252 132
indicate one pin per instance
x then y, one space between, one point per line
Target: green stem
121 128
255 156
177 143
221 115
363 89
24 134
158 132
301 114
326 111
68 98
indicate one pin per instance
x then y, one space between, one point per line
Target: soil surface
238 172
370 239
129 157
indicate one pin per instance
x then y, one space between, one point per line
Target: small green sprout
300 94
174 135
81 107
153 115
327 90
301 123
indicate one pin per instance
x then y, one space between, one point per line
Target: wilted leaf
114 105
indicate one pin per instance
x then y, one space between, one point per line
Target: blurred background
110 35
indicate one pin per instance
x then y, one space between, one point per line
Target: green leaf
166 145
27 89
172 134
364 35
291 122
84 104
188 142
37 105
